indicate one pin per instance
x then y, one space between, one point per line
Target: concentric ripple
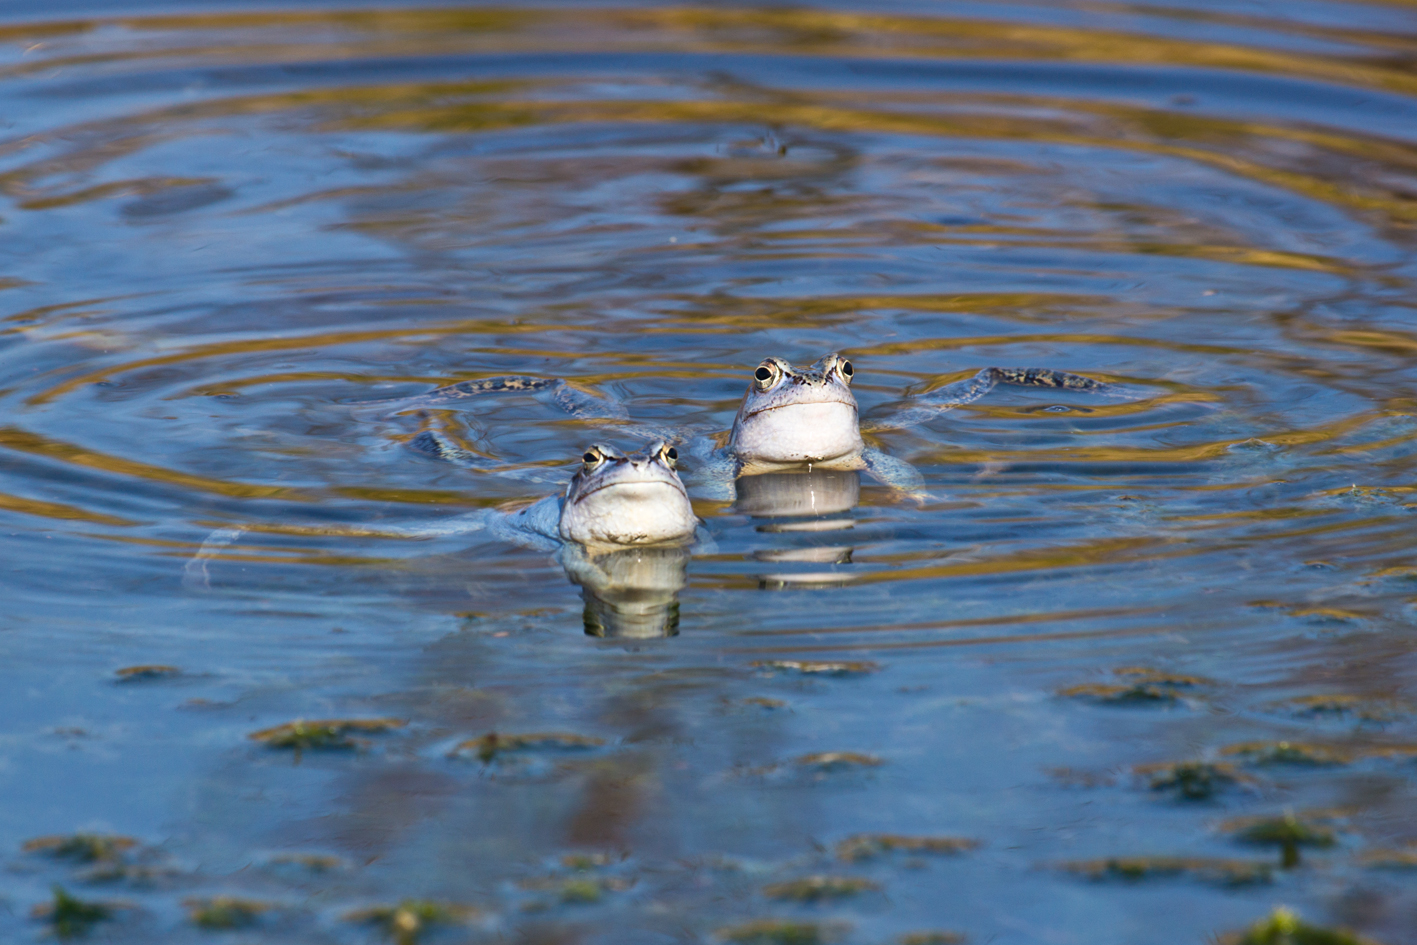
237 241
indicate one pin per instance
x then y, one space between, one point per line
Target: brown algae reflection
230 234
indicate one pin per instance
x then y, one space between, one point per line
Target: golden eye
846 369
672 453
591 457
763 374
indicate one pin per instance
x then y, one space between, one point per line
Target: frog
789 418
615 501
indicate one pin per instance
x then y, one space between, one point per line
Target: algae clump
225 912
1136 868
783 932
83 847
1284 927
819 667
1192 780
817 888
1287 753
70 916
301 735
863 846
146 671
1288 833
489 746
406 922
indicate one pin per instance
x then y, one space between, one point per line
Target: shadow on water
1132 670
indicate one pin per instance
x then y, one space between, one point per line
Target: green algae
489 746
581 891
1136 868
71 917
325 734
783 932
408 921
819 888
82 847
1284 927
863 846
838 761
1191 780
819 667
225 912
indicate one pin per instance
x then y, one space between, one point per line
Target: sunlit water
222 233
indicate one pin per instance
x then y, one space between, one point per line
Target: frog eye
671 454
766 375
592 456
846 369
667 454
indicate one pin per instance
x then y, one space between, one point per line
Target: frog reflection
803 502
629 593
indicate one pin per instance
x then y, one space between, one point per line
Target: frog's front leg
904 478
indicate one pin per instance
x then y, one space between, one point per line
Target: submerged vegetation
1140 685
784 932
817 888
225 912
408 921
819 667
1288 832
863 846
1284 927
1191 780
1136 868
489 746
70 916
82 847
301 735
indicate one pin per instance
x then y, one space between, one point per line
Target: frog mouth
800 403
677 487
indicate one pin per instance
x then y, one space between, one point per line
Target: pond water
227 230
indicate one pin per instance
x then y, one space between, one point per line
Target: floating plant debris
838 760
1284 927
492 744
225 912
1192 780
406 922
762 702
817 888
784 932
1288 833
863 846
150 671
819 667
71 917
933 938
83 847
1287 753
301 735
1136 868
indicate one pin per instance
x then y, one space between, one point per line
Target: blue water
226 229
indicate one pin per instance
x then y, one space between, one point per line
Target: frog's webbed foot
931 405
902 477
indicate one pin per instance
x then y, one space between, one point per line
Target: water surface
225 231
